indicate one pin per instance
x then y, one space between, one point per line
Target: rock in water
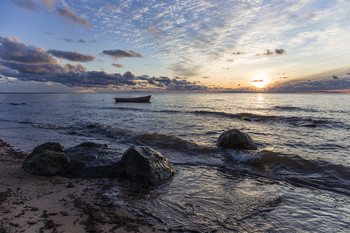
237 140
92 160
47 159
145 164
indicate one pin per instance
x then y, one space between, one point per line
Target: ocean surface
297 181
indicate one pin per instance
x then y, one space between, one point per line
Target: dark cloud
269 52
71 16
280 51
26 4
7 72
28 68
238 53
335 77
315 85
29 63
11 49
187 87
77 76
70 40
116 54
71 55
118 65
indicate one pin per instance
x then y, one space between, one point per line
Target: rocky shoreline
57 190
31 203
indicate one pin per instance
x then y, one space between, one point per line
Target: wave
297 170
251 117
15 104
130 136
293 108
168 141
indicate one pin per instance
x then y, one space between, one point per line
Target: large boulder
47 159
92 160
236 139
147 165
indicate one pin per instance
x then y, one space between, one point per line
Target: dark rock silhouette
236 139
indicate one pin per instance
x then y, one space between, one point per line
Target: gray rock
92 160
237 140
47 159
147 165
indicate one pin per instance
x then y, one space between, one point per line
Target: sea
297 181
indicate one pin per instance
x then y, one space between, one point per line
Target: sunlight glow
260 81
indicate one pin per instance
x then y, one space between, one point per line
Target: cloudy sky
175 45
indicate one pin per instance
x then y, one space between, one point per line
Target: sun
260 81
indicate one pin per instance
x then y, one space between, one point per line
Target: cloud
11 49
280 51
269 52
28 63
335 77
238 53
71 16
26 4
70 40
49 3
113 9
116 54
318 85
118 65
185 68
71 55
257 81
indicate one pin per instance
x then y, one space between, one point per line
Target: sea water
298 180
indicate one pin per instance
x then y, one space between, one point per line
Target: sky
175 45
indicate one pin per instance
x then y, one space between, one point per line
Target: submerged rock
236 139
147 165
47 159
92 160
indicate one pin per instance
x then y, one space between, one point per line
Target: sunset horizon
65 46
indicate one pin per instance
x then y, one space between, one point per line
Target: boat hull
143 99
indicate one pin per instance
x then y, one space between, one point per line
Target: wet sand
30 203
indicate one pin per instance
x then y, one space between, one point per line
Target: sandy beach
30 203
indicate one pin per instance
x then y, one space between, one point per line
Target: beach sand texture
32 203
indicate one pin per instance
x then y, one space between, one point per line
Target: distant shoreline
194 92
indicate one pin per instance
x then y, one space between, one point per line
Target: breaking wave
296 170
